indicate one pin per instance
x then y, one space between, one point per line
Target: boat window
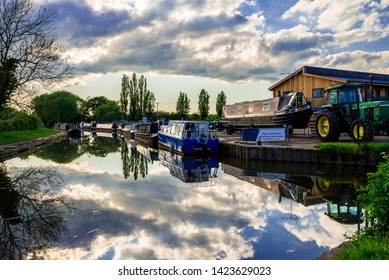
266 106
251 108
179 130
299 100
173 129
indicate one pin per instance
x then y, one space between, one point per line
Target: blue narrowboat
188 137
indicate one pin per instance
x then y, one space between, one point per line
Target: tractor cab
344 96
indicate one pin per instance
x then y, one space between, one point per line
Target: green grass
8 137
366 248
353 148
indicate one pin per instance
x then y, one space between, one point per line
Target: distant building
313 81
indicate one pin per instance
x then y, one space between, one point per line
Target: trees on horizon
136 100
60 106
203 104
183 105
221 100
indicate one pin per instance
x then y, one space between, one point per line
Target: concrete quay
300 147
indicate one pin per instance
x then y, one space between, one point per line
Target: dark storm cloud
209 23
80 26
291 45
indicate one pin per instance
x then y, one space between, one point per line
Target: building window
265 106
318 92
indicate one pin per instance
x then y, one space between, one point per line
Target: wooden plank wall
306 83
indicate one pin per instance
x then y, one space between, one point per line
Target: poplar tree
141 100
124 95
203 104
221 101
133 97
183 105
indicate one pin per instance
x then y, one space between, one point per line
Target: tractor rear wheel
230 129
328 126
362 131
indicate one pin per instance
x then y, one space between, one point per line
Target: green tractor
346 113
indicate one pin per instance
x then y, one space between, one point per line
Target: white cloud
221 40
358 60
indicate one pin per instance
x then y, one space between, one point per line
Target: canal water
105 197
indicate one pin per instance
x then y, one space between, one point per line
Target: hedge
20 122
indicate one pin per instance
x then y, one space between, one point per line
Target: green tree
149 101
124 95
133 98
90 106
183 106
60 106
221 100
27 39
142 100
110 111
203 104
8 80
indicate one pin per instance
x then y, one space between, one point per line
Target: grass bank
354 148
8 137
366 248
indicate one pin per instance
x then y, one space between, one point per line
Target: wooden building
313 81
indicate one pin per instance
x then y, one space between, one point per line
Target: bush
375 197
21 121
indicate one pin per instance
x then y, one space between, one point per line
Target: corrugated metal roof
347 75
341 75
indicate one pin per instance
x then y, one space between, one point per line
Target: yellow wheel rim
323 184
361 130
323 126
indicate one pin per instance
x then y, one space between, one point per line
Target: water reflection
256 210
308 185
199 171
31 214
68 150
134 162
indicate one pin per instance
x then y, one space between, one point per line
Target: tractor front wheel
362 131
328 127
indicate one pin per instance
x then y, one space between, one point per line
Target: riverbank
19 147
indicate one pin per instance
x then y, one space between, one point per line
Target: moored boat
147 133
188 137
75 132
291 110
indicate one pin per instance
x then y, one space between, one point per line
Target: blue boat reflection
197 170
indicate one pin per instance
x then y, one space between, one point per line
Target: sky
240 47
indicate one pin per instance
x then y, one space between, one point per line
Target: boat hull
146 139
291 110
187 146
295 119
